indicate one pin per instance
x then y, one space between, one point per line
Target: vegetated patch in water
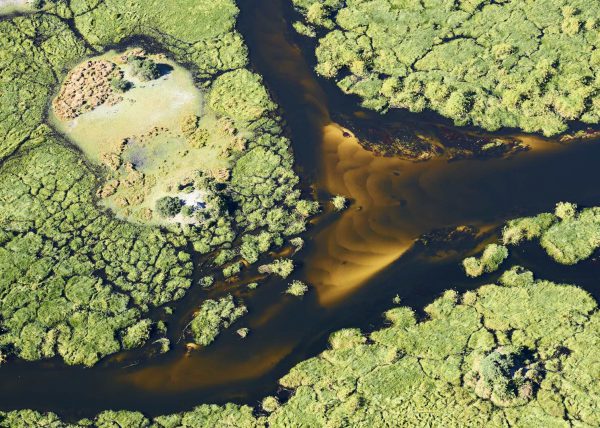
357 261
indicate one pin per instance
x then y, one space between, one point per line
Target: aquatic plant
297 288
206 281
252 101
565 210
490 64
516 353
526 228
505 376
214 316
490 260
254 245
74 281
137 334
232 269
270 404
26 82
297 242
568 236
280 267
339 202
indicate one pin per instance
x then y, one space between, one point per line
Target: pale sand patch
7 3
157 103
8 6
140 141
192 199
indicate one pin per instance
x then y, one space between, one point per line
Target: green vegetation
252 101
505 376
567 235
143 68
490 260
253 245
270 404
297 288
280 267
206 281
168 206
28 73
298 243
75 281
78 283
214 316
527 228
232 269
120 85
515 353
72 279
339 202
421 374
530 65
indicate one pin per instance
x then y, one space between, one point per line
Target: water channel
356 261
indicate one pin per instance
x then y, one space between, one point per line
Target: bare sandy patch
8 6
152 139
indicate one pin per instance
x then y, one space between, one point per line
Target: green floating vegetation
507 354
279 267
568 235
297 288
529 65
214 316
490 260
516 353
75 281
339 202
205 416
506 376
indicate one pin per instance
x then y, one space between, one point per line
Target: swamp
299 213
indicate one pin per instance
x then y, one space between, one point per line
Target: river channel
355 261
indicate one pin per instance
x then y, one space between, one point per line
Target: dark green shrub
168 206
187 211
143 68
120 85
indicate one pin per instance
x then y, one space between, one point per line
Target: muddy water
356 261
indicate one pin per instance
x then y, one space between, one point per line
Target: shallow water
356 261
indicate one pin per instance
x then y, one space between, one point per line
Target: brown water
356 261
